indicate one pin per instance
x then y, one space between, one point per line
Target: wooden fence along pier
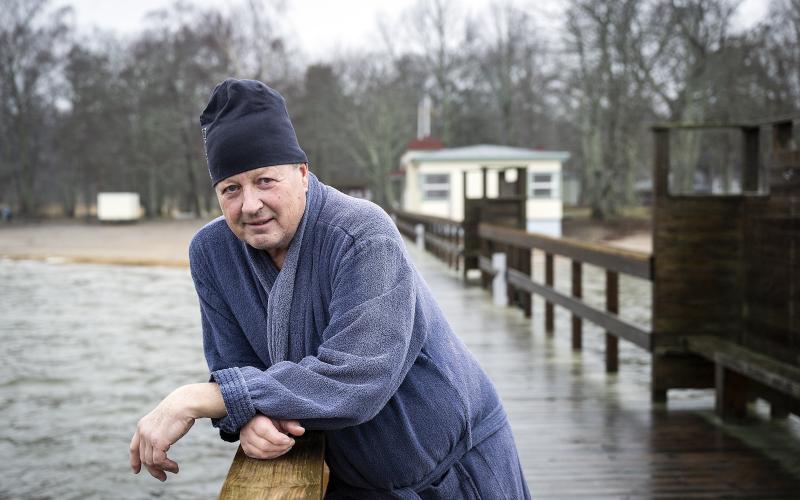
725 280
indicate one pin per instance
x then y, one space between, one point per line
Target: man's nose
252 202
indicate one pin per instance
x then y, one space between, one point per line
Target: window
544 186
435 187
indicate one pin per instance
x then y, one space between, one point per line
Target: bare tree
185 53
433 33
510 63
780 37
609 99
31 45
261 47
380 123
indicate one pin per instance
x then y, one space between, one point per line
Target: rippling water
86 351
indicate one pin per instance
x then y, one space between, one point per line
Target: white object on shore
115 207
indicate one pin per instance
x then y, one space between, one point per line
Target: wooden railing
297 475
518 247
444 238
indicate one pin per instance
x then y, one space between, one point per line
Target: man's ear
304 174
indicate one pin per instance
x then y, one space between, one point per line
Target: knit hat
246 126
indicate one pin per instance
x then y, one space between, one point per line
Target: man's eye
265 181
229 189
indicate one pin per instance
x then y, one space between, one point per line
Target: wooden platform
584 434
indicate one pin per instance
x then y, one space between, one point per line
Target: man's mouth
259 223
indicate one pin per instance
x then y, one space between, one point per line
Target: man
315 318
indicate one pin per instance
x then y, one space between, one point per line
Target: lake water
86 350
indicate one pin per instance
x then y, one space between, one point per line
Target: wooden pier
585 433
590 414
581 432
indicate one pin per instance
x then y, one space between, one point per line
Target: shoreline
163 243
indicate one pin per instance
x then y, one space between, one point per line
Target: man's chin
260 242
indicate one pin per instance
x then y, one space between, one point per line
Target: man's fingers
266 447
163 462
156 472
271 433
142 450
152 468
255 446
293 427
264 454
136 463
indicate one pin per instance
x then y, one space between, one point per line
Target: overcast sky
322 26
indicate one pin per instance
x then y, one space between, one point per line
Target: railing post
487 249
457 243
420 230
526 267
731 401
452 258
612 306
577 292
549 316
511 292
461 258
778 408
532 259
436 231
750 166
499 293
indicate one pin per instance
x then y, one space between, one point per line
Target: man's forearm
202 400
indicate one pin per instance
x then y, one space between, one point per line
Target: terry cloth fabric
369 357
245 126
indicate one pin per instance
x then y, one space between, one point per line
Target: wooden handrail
612 323
430 219
639 264
297 475
443 237
614 261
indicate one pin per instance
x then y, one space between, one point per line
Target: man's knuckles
263 427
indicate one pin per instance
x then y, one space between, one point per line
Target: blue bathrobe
347 338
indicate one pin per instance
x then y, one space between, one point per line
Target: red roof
425 144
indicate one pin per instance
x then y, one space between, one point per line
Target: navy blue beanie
246 126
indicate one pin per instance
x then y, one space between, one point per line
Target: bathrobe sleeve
221 332
367 349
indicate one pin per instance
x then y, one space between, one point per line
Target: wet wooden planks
296 475
584 434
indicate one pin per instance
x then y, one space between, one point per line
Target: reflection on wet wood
583 433
296 475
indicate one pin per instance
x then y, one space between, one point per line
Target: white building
434 181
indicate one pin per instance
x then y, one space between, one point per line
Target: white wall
545 210
548 227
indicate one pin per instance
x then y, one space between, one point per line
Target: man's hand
168 422
263 437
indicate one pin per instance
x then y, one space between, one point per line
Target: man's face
264 206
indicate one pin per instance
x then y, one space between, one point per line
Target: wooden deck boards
584 434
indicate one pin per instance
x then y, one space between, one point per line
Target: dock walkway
582 433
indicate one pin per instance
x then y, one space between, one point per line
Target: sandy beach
157 242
